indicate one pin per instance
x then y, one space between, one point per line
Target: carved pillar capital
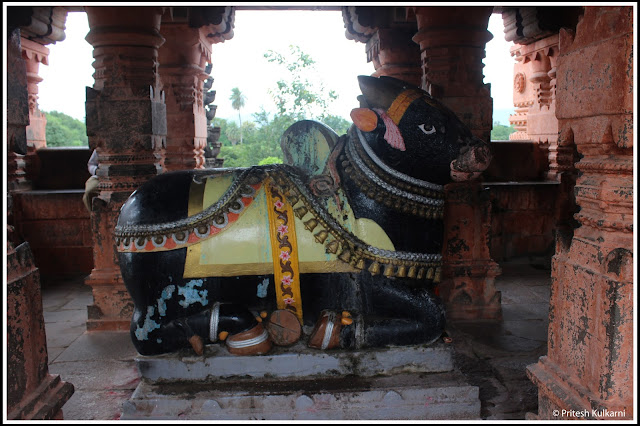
387 33
183 61
452 43
125 43
395 54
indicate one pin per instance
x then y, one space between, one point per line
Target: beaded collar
388 186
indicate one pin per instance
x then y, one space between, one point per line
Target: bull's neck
385 185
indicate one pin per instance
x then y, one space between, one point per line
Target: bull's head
417 135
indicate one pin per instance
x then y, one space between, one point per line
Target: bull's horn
379 93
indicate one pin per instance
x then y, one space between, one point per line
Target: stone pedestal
298 383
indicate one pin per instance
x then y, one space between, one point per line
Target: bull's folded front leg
400 315
228 322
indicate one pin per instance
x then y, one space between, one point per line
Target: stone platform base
297 383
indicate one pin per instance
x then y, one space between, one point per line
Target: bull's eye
431 130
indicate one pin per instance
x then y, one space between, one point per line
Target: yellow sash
284 251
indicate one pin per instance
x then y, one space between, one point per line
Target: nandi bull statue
344 239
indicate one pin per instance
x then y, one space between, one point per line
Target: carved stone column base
112 306
470 291
469 272
32 393
560 398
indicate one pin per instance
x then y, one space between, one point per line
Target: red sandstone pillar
588 371
452 42
452 45
126 123
34 54
17 115
387 32
32 393
395 54
182 62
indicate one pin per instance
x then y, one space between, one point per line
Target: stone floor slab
91 345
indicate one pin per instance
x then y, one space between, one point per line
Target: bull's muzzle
474 158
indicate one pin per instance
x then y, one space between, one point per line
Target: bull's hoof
254 341
326 333
284 328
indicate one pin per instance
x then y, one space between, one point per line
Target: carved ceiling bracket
526 25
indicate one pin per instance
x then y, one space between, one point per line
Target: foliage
237 102
501 132
63 130
296 98
301 94
270 160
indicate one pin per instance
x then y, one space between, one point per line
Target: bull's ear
364 119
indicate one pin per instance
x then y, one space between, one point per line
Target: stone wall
52 217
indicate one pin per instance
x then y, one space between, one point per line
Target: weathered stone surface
398 397
32 392
295 361
589 365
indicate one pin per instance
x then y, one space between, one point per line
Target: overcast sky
240 62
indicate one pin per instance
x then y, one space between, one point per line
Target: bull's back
165 198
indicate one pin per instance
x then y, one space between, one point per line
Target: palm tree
237 102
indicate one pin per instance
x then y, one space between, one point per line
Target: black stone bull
347 235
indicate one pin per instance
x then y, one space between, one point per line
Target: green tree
337 123
298 95
63 130
500 132
301 94
237 102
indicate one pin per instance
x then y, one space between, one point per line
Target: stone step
297 361
417 396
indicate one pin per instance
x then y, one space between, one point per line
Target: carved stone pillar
534 97
394 54
523 97
588 371
387 32
126 123
32 393
468 271
17 115
452 45
183 59
34 54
